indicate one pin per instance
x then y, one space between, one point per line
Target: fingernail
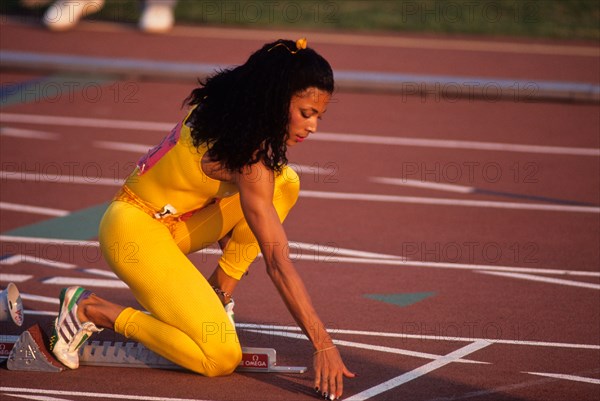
317 389
325 395
331 397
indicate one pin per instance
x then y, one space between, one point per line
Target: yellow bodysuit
167 209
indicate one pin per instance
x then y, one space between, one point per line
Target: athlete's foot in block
98 311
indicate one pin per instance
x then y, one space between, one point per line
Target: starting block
29 352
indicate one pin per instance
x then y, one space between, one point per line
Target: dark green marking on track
53 88
80 225
401 300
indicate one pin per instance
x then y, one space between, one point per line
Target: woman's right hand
329 372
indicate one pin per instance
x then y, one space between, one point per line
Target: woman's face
306 108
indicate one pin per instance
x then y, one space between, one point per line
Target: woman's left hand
329 372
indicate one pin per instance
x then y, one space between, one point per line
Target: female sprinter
220 176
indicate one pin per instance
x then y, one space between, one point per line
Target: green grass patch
561 19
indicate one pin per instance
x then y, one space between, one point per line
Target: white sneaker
69 333
157 18
65 14
229 311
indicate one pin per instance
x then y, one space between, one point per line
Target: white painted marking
550 280
86 282
322 136
331 249
104 273
39 298
123 146
447 202
143 148
567 377
420 371
15 207
15 278
28 134
14 259
11 260
46 262
453 144
423 184
36 397
59 179
374 261
39 240
90 394
86 122
423 336
369 347
306 170
34 177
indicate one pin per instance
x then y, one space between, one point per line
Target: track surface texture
479 244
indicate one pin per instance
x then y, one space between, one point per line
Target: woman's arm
256 186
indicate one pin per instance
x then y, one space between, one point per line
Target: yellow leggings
187 322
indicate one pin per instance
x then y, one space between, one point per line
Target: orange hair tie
300 45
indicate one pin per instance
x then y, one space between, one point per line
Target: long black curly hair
243 112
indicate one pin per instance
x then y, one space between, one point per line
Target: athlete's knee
230 356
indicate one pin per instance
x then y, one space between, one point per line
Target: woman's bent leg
188 324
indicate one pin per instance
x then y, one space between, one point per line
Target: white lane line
14 259
550 280
28 134
39 298
90 394
453 144
35 177
442 265
422 184
123 146
86 282
36 397
60 179
447 202
420 371
567 377
143 148
103 273
46 262
11 260
373 261
86 122
370 347
15 278
46 211
322 136
55 241
331 249
270 327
